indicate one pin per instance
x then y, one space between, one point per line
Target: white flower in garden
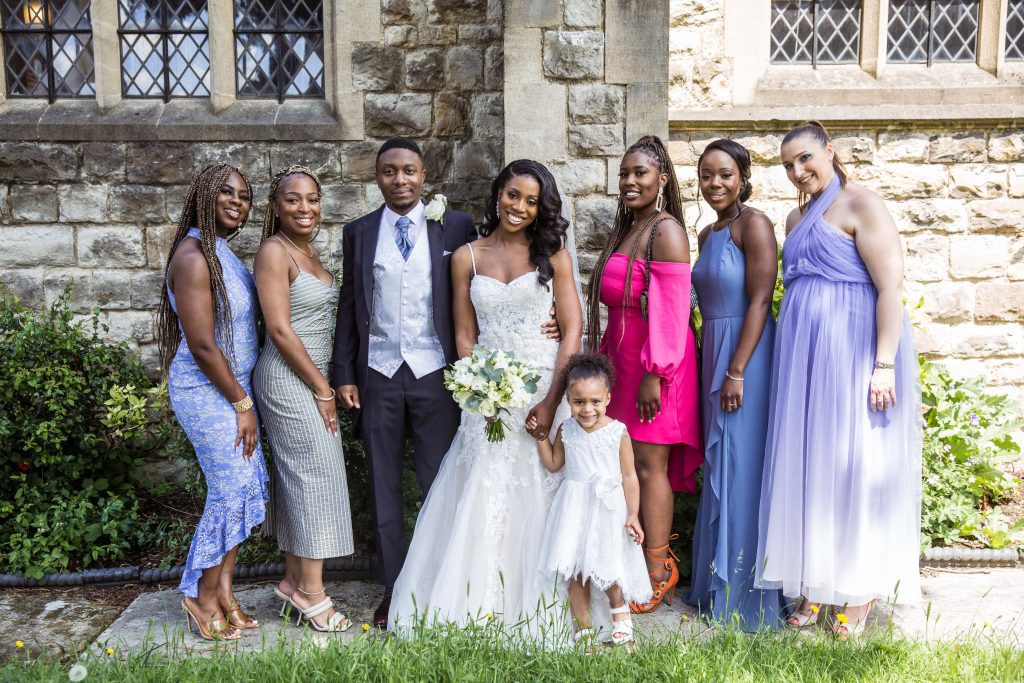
77 673
435 209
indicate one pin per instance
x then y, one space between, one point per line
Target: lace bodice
510 315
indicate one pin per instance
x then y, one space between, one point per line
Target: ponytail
817 131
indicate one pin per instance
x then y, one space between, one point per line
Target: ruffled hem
223 526
602 583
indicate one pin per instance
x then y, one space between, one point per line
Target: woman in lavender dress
208 346
840 506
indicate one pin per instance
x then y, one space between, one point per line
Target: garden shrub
76 412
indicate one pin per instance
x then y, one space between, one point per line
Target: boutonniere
435 209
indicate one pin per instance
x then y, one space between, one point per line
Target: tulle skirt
841 496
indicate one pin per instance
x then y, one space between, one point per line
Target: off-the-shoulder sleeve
668 306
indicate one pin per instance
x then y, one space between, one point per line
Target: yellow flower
110 650
683 617
18 643
986 625
490 615
842 618
815 608
366 627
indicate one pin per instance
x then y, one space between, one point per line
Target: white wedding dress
475 553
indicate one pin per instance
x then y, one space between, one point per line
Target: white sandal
622 631
285 600
336 623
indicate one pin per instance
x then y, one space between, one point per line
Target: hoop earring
659 202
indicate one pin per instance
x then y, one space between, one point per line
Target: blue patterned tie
404 245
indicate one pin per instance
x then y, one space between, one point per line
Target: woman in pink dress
643 277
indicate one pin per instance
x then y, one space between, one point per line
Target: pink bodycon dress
663 345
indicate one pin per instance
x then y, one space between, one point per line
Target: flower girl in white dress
592 537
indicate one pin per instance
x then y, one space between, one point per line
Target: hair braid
271 223
200 212
653 147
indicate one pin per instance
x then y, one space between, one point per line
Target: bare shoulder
670 241
793 219
462 257
561 260
189 263
861 199
756 221
271 250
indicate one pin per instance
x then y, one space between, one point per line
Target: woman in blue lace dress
208 347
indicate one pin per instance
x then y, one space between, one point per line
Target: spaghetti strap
472 257
289 252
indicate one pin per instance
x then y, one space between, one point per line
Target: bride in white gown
474 554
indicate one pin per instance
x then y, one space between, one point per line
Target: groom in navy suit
394 338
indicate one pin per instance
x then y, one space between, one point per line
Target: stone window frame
871 91
222 115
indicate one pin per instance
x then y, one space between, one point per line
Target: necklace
309 249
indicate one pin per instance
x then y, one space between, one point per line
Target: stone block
927 258
487 119
583 13
855 148
980 256
579 176
479 34
111 246
103 161
1000 302
83 203
985 341
904 181
1015 176
138 204
437 158
33 161
971 181
438 35
947 215
646 111
903 146
397 11
529 136
451 111
464 68
770 182
1006 146
112 289
44 245
959 148
477 159
175 201
424 69
341 203
763 149
75 285
358 160
527 66
407 114
24 283
5 205
532 13
134 327
494 67
947 302
376 67
637 43
147 289
574 54
160 163
689 189
680 152
158 245
457 11
593 222
252 159
320 157
373 196
996 214
597 103
596 140
33 203
401 36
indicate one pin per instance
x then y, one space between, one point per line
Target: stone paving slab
51 623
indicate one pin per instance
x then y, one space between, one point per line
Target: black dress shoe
380 615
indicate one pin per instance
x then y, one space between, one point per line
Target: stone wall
98 216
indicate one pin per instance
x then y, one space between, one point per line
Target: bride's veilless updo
547 232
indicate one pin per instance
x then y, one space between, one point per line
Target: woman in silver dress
310 506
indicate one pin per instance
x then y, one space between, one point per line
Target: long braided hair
271 223
653 147
200 211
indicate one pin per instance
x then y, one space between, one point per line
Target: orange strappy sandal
664 589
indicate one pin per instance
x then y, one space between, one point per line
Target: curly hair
588 366
547 231
200 212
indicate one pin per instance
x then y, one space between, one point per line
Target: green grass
481 655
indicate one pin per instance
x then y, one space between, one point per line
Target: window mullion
992 35
873 36
222 53
106 53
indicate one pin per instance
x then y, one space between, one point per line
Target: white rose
435 209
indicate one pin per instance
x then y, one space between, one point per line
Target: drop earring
659 202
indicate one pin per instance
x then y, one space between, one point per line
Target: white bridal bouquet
490 382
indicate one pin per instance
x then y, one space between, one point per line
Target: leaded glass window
279 48
47 48
1015 30
815 31
926 31
164 48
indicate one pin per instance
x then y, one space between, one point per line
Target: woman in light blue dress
208 347
734 277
